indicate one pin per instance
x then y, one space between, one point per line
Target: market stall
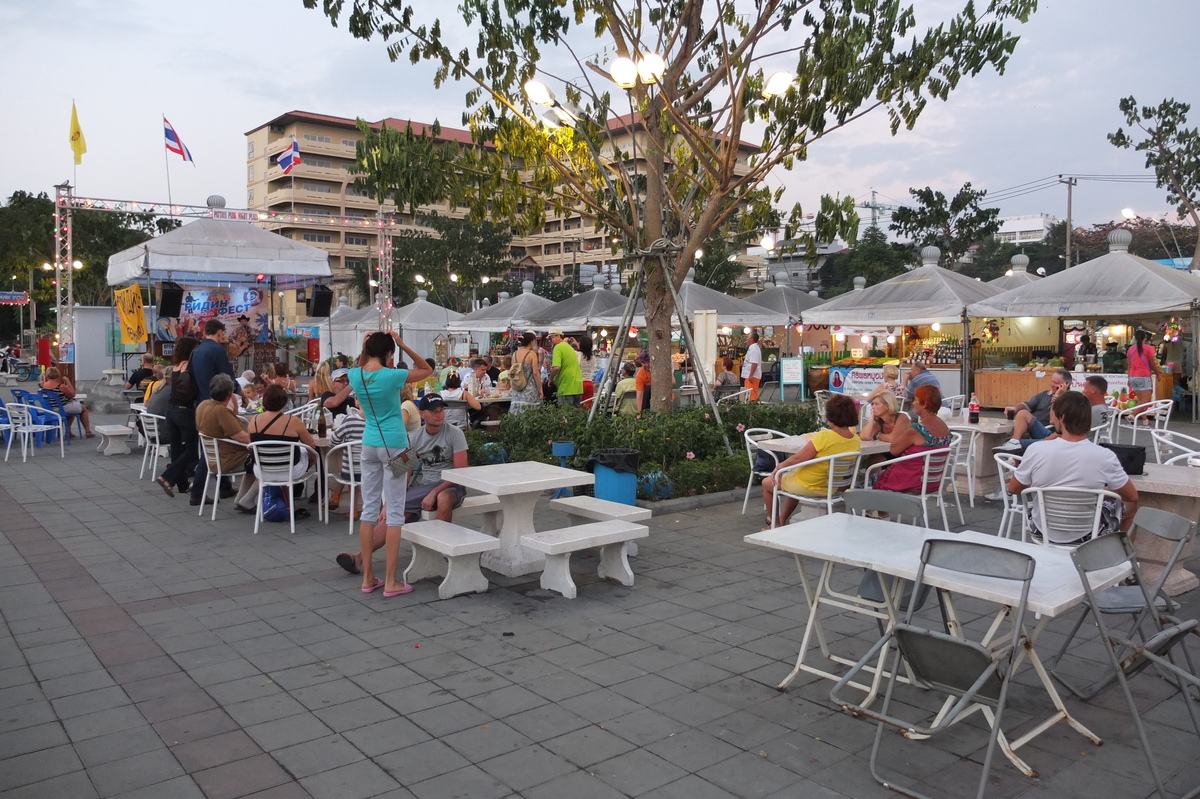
1107 295
924 312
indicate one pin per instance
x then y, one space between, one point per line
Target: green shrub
720 473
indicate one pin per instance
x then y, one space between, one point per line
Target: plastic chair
1127 657
753 436
734 397
1187 445
22 423
307 413
975 677
934 468
1069 516
821 397
1151 416
1130 600
52 401
155 446
211 450
1006 467
964 459
955 404
350 474
842 469
275 460
38 408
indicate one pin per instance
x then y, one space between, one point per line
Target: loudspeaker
322 301
170 302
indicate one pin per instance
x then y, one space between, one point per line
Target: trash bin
616 474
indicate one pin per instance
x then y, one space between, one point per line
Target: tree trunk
659 311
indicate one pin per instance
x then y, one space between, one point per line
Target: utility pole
875 207
1070 182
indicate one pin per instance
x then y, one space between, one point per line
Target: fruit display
1124 399
1044 363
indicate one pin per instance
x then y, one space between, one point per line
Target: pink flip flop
372 588
405 590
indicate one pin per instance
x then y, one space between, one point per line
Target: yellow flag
129 311
78 143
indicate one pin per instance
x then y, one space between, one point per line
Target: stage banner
244 311
132 317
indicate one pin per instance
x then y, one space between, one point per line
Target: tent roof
212 250
1013 281
1115 284
419 314
512 312
575 313
923 296
694 297
785 300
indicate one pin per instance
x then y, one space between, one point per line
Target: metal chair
350 474
821 397
307 413
1006 467
974 676
23 423
742 395
210 448
1148 416
1127 657
626 402
1066 516
964 459
459 405
842 469
1187 445
753 436
275 460
934 468
955 404
155 446
1130 600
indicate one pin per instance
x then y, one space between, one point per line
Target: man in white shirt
1072 461
752 366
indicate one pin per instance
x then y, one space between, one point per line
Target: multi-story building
1025 229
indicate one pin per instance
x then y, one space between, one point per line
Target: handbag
402 464
1133 459
274 505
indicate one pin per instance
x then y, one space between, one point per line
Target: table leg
512 559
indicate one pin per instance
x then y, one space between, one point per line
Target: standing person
642 381
208 360
752 366
1143 366
565 371
61 384
628 382
587 367
525 374
1113 360
180 420
377 384
1085 349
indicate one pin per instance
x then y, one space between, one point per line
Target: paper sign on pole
131 315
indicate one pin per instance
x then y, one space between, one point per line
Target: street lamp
777 84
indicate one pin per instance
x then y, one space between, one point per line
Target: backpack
516 376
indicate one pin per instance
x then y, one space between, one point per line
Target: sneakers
995 496
1012 445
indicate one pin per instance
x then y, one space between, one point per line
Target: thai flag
290 157
175 144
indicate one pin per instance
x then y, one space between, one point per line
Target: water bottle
973 416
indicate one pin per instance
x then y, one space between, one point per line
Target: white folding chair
21 423
1186 445
964 459
274 461
753 437
1066 516
1148 416
349 475
155 446
210 447
1006 467
842 469
935 465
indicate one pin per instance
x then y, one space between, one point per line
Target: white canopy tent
219 251
694 297
514 312
1018 274
783 299
419 323
578 312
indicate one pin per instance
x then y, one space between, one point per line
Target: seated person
280 376
438 445
347 427
928 432
151 387
158 395
628 382
1072 461
247 378
60 384
813 481
479 383
890 384
728 381
1032 420
1095 388
886 421
919 375
274 425
339 399
143 374
455 391
215 418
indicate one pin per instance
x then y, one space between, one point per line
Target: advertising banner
14 298
245 312
130 314
855 379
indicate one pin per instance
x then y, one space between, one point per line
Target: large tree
666 176
952 225
1172 149
873 258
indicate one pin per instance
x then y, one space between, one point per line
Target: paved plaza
146 652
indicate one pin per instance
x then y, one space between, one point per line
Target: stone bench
446 550
581 510
485 505
113 377
114 438
609 536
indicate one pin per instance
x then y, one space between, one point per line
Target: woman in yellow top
813 481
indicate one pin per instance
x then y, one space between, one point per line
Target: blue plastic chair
53 401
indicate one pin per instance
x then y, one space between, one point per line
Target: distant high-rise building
1025 229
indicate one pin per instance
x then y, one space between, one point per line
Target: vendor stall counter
999 388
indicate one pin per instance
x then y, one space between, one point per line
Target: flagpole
167 165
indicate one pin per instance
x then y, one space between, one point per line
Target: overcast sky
217 68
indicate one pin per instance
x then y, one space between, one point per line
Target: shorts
792 485
1141 383
417 493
